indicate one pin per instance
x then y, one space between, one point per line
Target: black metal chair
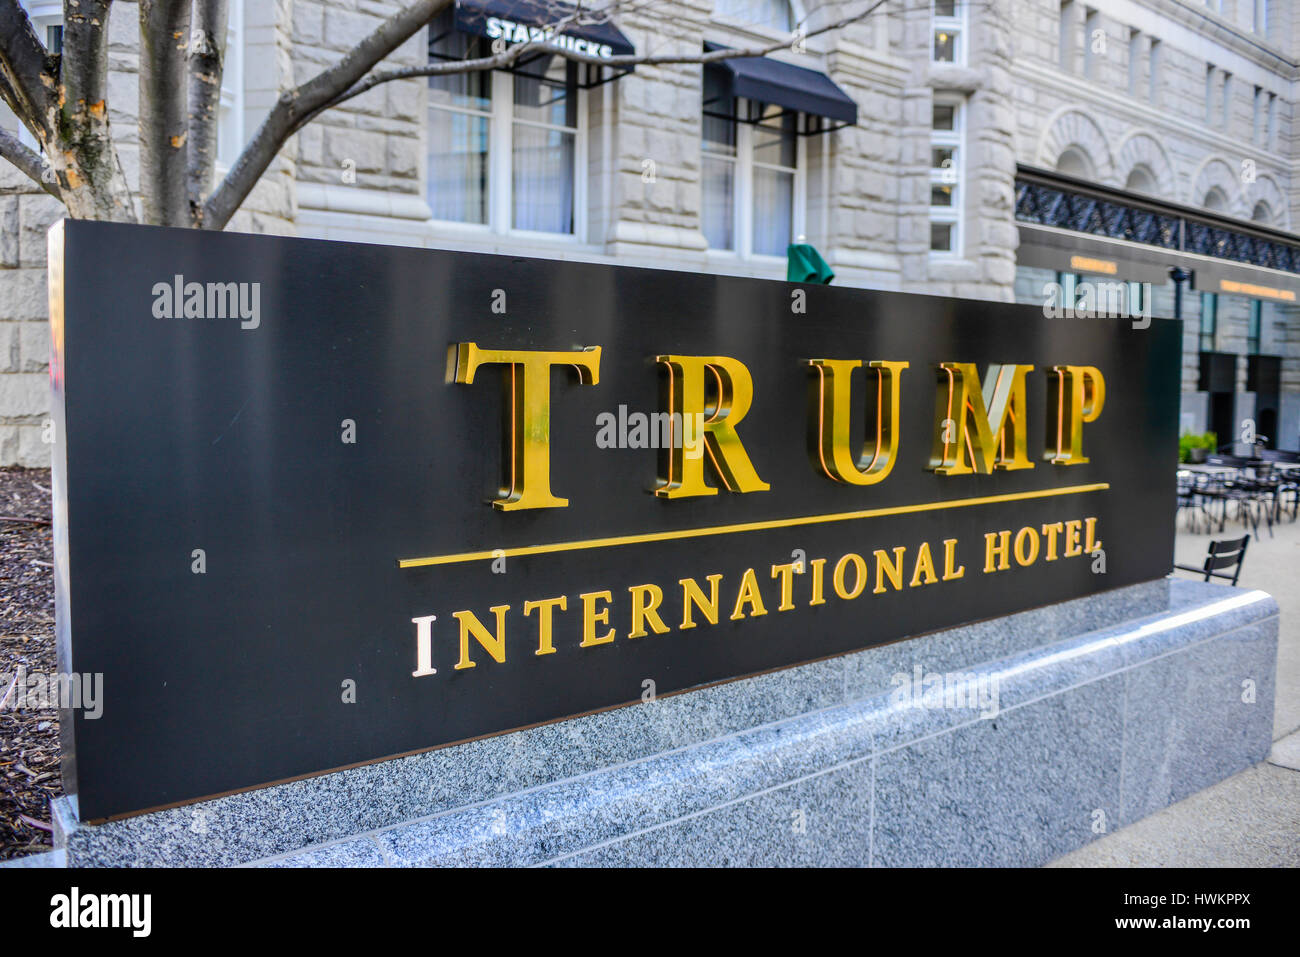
1198 495
1287 492
1228 553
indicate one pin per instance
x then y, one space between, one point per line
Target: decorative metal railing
1050 200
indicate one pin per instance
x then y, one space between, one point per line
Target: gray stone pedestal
1047 729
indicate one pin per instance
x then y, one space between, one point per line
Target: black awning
781 84
519 21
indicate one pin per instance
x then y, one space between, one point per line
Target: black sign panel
275 524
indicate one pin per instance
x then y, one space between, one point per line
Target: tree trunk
80 148
163 118
206 67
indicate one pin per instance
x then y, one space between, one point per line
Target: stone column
654 194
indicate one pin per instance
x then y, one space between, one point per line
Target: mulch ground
29 739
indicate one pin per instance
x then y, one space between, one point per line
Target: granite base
1107 709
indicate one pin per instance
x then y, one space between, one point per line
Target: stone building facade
954 99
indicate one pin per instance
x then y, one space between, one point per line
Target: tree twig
28 162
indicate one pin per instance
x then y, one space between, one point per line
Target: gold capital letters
470 626
527 427
720 410
970 422
545 644
835 393
1075 395
645 607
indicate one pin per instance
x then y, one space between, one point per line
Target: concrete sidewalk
1252 819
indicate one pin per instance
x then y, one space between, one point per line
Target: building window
1067 36
1227 103
460 120
1134 62
1069 283
505 147
1261 16
1252 331
753 202
544 139
1094 44
1137 295
1209 320
946 176
1257 116
766 13
948 31
719 170
1153 72
1270 135
1209 92
230 112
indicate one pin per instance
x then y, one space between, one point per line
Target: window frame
1208 332
954 139
1134 61
955 25
793 13
1154 55
1225 104
742 186
501 122
1092 62
230 103
1255 328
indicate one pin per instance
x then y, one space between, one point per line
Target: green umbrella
805 264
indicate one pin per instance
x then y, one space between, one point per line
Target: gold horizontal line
743 527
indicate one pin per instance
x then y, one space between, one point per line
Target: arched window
1141 180
1215 201
766 13
1074 163
1262 213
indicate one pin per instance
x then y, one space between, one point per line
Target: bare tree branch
305 100
80 148
504 59
162 121
206 68
28 161
25 68
509 56
347 79
10 97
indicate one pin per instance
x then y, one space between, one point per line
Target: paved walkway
1252 819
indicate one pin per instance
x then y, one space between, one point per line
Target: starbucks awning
521 21
765 80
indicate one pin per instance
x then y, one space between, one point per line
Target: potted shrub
1194 448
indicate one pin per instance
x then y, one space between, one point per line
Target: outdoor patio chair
1226 554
